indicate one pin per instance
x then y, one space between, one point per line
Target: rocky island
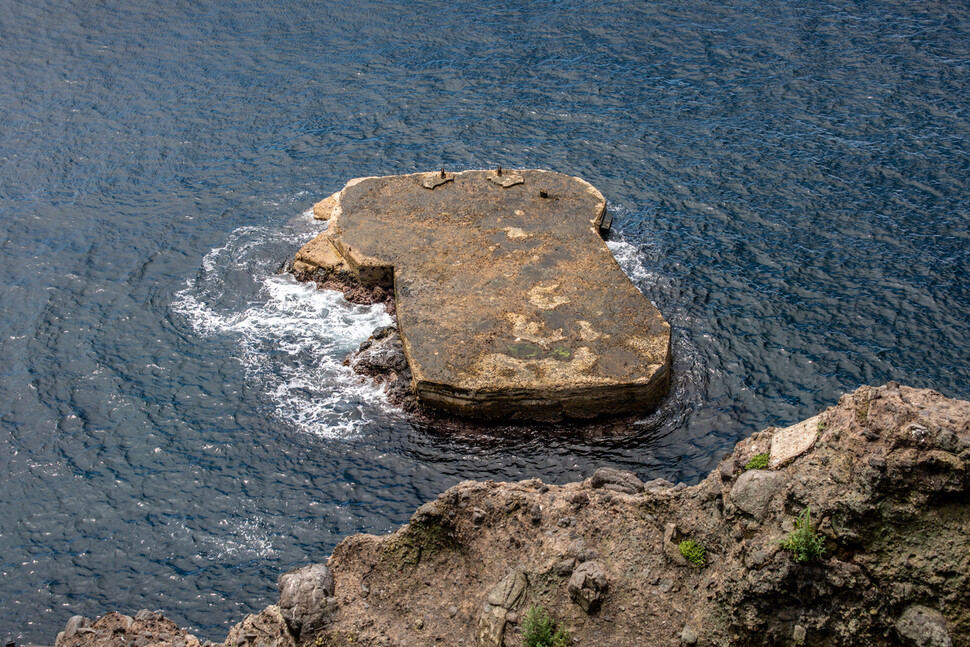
509 303
849 528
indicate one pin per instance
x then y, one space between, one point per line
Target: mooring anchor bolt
498 171
442 172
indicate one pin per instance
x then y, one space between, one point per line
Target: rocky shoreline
885 474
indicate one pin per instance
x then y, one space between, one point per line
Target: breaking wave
292 337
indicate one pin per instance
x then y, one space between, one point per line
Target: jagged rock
70 630
265 629
491 627
672 548
564 567
381 354
921 626
147 628
727 468
306 598
587 585
755 489
616 480
506 593
502 598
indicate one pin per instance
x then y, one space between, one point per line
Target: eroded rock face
265 629
887 482
145 629
509 303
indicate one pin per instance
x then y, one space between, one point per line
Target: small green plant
803 543
539 630
757 462
693 552
822 426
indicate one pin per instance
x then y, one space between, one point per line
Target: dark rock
383 355
588 555
578 499
727 468
535 513
616 480
564 567
306 598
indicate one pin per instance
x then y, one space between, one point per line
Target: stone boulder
306 599
587 585
616 480
755 489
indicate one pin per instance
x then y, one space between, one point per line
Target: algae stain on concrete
509 303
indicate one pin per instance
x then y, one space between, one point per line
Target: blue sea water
790 182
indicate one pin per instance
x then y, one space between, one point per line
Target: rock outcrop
886 480
509 304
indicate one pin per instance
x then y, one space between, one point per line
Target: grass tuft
803 543
539 630
693 552
757 462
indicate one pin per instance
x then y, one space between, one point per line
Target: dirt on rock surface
509 304
886 482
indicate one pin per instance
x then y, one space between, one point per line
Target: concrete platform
509 303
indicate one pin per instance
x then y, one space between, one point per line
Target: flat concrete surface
509 302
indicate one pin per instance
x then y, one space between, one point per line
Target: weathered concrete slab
509 303
791 442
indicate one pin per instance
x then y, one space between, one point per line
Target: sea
790 185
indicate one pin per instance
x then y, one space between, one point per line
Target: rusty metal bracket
504 177
436 179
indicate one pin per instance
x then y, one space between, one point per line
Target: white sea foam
631 261
292 337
